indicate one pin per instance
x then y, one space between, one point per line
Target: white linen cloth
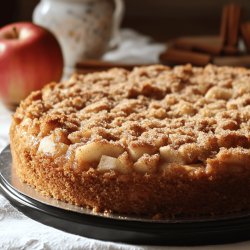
20 232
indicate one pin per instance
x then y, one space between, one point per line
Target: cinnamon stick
175 56
230 24
245 32
234 24
243 60
208 44
98 65
224 24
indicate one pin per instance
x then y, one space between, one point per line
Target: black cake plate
118 228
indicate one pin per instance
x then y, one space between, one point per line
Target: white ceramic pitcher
84 28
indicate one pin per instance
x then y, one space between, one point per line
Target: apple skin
30 57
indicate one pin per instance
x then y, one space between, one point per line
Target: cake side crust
169 195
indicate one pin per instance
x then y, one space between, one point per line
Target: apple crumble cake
156 141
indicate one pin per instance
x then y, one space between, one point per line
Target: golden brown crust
154 140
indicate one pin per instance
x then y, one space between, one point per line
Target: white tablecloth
19 232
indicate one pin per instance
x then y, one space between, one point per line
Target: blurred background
197 32
161 19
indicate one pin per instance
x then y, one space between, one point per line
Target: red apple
30 57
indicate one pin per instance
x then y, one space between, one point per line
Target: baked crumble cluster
155 141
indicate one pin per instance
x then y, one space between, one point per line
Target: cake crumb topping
152 115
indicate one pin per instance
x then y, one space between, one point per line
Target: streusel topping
145 120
